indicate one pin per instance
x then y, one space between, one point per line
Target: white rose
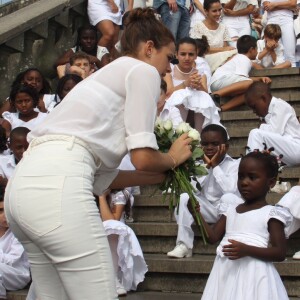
158 122
194 134
183 127
168 125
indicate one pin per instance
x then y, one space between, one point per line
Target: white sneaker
120 289
296 255
180 251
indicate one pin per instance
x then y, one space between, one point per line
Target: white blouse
113 110
216 38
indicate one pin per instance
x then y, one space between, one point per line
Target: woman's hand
113 6
181 149
235 250
269 6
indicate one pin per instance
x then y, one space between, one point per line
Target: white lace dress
216 39
132 266
246 278
198 101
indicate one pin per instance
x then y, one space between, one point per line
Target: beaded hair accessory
269 151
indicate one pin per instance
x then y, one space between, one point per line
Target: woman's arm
230 4
221 49
290 4
200 7
276 252
238 13
6 106
106 212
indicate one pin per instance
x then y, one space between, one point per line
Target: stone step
160 238
190 274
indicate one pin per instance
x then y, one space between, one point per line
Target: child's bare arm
65 58
3 181
276 252
106 212
7 126
216 231
263 79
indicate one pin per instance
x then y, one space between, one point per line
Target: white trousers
288 38
288 147
185 219
237 29
50 208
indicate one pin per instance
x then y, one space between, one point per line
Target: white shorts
227 80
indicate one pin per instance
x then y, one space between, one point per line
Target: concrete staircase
157 231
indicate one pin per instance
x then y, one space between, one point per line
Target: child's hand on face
217 158
235 250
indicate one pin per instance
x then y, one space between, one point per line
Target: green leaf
197 153
200 171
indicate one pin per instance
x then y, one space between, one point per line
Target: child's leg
184 220
282 145
234 89
183 112
234 102
198 121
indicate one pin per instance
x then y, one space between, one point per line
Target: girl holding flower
64 238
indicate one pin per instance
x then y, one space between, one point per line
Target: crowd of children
233 194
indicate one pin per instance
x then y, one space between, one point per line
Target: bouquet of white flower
178 180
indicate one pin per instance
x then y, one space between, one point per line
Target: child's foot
180 251
296 255
120 289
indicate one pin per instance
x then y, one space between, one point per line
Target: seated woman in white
187 87
127 255
216 33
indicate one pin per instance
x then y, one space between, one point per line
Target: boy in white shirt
281 128
18 145
270 49
14 265
221 179
232 78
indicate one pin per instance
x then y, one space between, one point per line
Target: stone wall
34 36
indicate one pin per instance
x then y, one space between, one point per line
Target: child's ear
272 182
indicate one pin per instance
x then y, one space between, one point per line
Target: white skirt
99 10
131 260
199 102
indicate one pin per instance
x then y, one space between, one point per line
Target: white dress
13 119
246 278
99 10
198 101
216 39
132 266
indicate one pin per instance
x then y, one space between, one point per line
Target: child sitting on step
232 78
270 49
280 128
221 178
14 265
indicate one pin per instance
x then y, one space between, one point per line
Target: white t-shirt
240 64
267 61
7 165
113 110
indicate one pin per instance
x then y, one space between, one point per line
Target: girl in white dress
243 267
187 87
24 99
129 264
